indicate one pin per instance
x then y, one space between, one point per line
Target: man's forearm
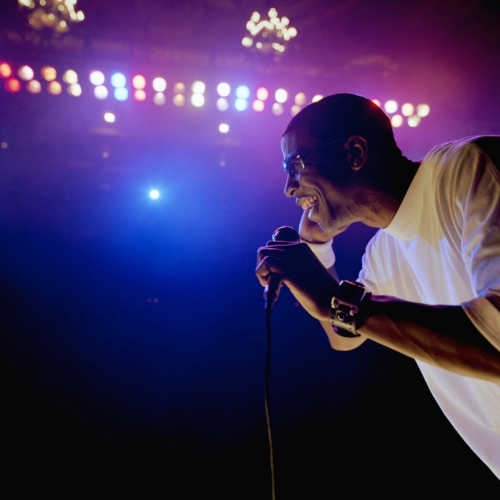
442 336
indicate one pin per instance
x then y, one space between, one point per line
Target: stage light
295 109
262 94
118 80
242 92
397 121
241 104
391 106
222 104
154 194
423 110
198 87
179 100
13 85
159 84
34 87
376 101
121 94
140 95
281 96
75 90
317 98
300 99
159 99
109 117
26 73
258 106
49 73
247 41
179 88
54 88
223 128
70 77
197 100
96 78
223 89
101 92
138 82
407 109
413 120
277 109
5 70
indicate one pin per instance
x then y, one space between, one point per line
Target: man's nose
291 186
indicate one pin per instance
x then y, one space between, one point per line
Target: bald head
344 115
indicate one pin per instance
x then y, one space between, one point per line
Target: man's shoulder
490 145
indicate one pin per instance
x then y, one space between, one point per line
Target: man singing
429 286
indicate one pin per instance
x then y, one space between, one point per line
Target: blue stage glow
121 94
241 104
154 193
242 92
118 80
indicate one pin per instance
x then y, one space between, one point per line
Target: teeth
308 202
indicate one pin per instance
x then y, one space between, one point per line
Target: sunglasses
293 164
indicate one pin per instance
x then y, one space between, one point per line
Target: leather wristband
344 311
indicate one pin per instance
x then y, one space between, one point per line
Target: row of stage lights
241 97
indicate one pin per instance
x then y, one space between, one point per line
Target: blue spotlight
118 80
154 193
241 104
242 92
121 94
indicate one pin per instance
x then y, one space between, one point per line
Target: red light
5 70
13 85
376 101
140 95
139 82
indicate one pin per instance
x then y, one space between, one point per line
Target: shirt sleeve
474 184
323 251
365 276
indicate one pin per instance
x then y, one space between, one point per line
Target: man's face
329 201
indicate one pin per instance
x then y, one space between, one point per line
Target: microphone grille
285 233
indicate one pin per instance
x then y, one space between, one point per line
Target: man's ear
357 151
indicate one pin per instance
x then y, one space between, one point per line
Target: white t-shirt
443 247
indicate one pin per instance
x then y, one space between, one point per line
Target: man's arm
312 234
442 336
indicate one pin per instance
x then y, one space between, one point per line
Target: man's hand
313 232
311 284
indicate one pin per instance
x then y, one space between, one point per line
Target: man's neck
382 203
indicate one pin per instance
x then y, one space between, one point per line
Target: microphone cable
266 402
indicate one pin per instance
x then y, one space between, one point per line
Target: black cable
266 401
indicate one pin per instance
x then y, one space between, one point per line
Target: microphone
272 289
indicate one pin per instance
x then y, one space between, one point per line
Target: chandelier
269 35
54 14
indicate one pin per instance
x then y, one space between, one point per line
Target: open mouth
308 202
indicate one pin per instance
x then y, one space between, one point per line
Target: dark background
109 392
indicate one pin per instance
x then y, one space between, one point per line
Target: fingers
268 265
276 257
